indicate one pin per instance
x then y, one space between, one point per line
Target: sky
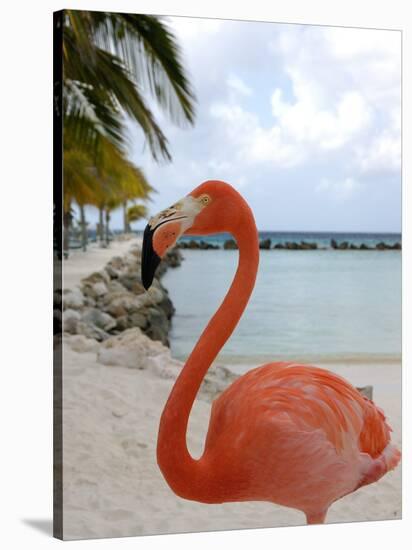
305 121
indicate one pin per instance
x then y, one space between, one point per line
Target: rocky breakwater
197 245
266 244
345 245
113 300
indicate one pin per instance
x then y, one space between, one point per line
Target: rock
265 244
99 319
173 258
73 298
367 391
133 284
188 244
291 245
71 319
333 244
129 349
96 277
113 300
167 305
122 323
353 247
113 273
123 299
216 380
115 267
158 325
137 319
384 246
130 302
91 331
94 290
116 311
230 244
115 286
99 289
81 344
364 247
135 251
117 262
203 245
89 301
279 246
307 246
164 366
343 246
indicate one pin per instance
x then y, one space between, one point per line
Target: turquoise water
317 306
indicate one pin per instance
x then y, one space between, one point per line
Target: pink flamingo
290 434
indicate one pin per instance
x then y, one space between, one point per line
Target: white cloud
341 190
249 142
346 91
237 85
302 118
383 154
303 121
345 97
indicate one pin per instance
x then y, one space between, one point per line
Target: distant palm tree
136 213
111 61
106 180
80 185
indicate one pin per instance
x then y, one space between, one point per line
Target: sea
319 306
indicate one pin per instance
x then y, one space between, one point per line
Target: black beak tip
150 260
146 283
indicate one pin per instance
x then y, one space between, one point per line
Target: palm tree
80 185
106 180
111 61
136 213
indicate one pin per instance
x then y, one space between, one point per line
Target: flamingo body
295 435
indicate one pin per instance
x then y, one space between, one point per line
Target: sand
112 484
81 264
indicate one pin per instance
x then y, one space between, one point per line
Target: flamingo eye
205 199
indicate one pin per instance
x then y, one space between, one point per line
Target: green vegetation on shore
112 63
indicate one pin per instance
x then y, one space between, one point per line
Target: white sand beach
80 264
112 484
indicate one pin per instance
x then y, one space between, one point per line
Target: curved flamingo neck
185 475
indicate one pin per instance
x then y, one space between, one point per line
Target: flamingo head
207 209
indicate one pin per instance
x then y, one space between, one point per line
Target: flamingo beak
161 234
150 260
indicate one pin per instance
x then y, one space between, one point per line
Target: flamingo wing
304 424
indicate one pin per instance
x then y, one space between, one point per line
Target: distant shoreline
267 244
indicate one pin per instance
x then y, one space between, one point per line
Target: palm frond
136 212
107 86
149 48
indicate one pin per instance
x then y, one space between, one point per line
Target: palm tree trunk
67 221
126 225
101 226
107 212
83 226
